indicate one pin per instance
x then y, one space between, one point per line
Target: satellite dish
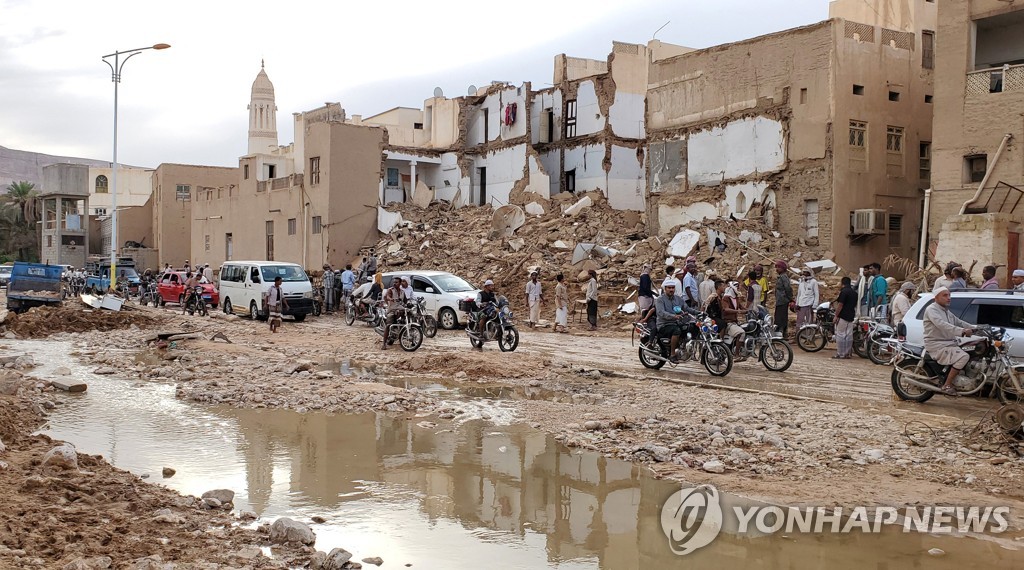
472 89
438 92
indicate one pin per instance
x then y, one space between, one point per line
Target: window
392 181
894 139
741 203
49 241
271 171
858 133
317 226
101 184
570 181
183 192
975 167
419 285
291 226
270 242
417 126
570 118
928 49
228 247
995 312
101 211
858 89
803 95
895 230
314 171
924 161
811 218
483 117
894 95
928 99
245 171
206 242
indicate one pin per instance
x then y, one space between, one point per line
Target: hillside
18 165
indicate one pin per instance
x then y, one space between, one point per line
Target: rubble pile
40 322
573 234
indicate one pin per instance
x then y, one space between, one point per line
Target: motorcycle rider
941 328
191 283
673 316
395 300
731 311
484 300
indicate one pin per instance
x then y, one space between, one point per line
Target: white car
998 308
441 292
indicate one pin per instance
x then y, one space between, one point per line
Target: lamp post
115 71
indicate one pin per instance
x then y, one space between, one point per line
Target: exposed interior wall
746 147
983 238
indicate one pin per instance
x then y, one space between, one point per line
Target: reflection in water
473 496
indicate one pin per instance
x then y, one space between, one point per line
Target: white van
243 283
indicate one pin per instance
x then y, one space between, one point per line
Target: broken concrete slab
387 221
516 244
629 308
583 203
69 385
559 244
423 195
534 209
821 265
683 243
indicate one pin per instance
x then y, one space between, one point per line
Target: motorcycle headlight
307 295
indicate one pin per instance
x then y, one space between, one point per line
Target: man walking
534 296
901 302
592 299
328 288
208 273
276 303
783 297
846 313
691 291
707 287
806 298
562 303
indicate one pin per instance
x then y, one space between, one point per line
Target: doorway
229 249
482 174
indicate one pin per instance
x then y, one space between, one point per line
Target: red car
171 289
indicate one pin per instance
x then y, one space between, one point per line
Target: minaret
262 115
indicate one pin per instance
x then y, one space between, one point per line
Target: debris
714 466
285 530
629 308
516 244
506 220
168 472
388 221
220 336
683 243
534 209
747 236
821 265
583 203
69 385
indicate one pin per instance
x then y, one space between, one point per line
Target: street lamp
115 71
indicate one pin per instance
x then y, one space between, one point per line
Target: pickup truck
99 275
33 285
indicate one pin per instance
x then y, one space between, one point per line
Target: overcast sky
188 104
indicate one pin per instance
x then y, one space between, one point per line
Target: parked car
998 308
171 288
243 283
441 291
5 274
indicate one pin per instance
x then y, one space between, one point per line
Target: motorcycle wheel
880 352
317 308
476 343
649 362
777 356
860 343
811 339
350 314
410 338
508 339
717 359
202 309
905 390
1007 393
191 308
430 326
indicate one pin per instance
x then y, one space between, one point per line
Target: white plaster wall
626 180
504 169
515 95
449 171
540 182
134 187
741 148
589 119
627 115
551 161
672 216
586 160
752 192
541 102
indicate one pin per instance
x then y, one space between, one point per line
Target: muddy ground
824 432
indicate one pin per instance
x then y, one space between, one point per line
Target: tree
19 213
23 194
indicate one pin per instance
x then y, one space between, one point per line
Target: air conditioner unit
867 222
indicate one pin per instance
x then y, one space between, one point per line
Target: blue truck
33 285
99 274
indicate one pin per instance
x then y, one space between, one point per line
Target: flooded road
446 495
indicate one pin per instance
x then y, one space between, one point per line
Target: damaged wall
747 147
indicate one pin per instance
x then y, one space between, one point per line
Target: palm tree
18 216
24 195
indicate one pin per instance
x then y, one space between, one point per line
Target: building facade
979 102
134 187
176 188
820 131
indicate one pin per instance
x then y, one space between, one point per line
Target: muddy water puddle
447 496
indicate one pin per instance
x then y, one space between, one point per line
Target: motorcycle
371 315
880 350
917 377
148 294
700 344
195 303
814 336
762 341
427 322
497 325
404 329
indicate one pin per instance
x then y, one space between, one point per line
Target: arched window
101 184
741 203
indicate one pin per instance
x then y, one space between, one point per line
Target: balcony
995 80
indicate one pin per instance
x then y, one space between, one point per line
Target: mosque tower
262 115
